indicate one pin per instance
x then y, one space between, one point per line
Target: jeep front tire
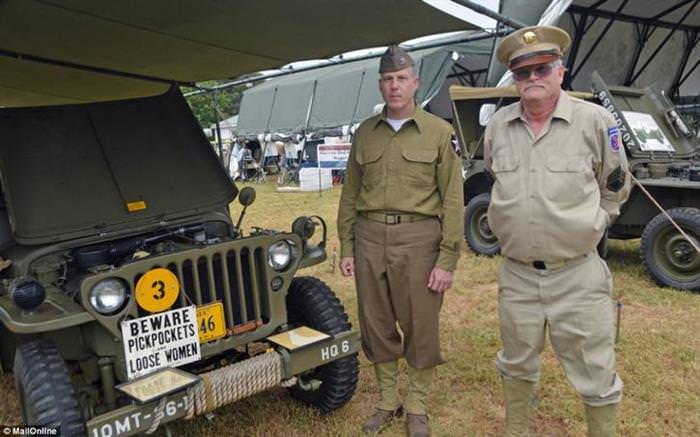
668 256
311 302
45 389
477 232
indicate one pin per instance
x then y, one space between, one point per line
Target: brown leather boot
380 420
417 425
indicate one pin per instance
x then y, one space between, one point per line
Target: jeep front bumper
206 396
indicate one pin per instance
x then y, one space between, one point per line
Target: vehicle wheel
45 389
310 302
477 232
668 256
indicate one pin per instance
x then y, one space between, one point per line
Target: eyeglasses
541 71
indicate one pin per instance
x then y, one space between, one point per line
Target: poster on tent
333 156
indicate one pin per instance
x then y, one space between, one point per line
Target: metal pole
489 13
663 43
573 74
318 162
219 116
218 140
691 40
306 128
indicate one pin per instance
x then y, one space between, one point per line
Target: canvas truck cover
97 166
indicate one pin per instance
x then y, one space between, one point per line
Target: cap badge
529 37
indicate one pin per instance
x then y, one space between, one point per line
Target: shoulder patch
614 139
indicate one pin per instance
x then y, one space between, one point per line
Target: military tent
338 95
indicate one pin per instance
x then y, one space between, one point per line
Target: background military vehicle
130 297
663 154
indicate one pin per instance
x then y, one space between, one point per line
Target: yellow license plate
211 322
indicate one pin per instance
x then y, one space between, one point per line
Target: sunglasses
540 71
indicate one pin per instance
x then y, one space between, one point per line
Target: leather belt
390 218
543 265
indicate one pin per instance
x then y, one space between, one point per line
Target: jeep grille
237 278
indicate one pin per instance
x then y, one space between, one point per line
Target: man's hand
440 280
347 266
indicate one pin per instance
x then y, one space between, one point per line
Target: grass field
658 355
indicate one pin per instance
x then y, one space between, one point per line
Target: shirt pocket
505 168
569 180
372 165
419 166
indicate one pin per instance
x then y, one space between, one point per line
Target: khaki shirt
553 196
414 170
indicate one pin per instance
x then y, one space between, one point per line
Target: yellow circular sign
157 290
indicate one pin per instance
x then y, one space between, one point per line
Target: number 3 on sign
211 322
157 290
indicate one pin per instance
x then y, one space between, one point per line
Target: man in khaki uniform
560 176
400 230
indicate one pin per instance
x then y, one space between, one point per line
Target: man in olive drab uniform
560 176
400 230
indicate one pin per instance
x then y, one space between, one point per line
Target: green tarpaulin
342 94
66 51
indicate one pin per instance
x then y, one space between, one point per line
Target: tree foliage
216 105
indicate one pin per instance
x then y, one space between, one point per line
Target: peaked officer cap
532 45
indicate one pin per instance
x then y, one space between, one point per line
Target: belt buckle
392 219
539 265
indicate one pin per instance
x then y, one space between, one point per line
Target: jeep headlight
279 255
108 296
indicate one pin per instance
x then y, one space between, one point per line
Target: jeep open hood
79 170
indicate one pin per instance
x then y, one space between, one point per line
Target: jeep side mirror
247 196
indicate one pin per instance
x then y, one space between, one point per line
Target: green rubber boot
518 397
602 421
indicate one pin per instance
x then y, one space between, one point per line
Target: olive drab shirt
553 196
414 170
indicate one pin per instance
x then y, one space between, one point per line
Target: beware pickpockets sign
167 339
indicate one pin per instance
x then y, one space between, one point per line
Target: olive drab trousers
572 301
392 266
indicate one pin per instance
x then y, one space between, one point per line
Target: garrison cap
394 59
532 45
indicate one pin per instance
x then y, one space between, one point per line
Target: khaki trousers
573 302
392 266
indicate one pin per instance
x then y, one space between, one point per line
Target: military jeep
663 154
130 297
